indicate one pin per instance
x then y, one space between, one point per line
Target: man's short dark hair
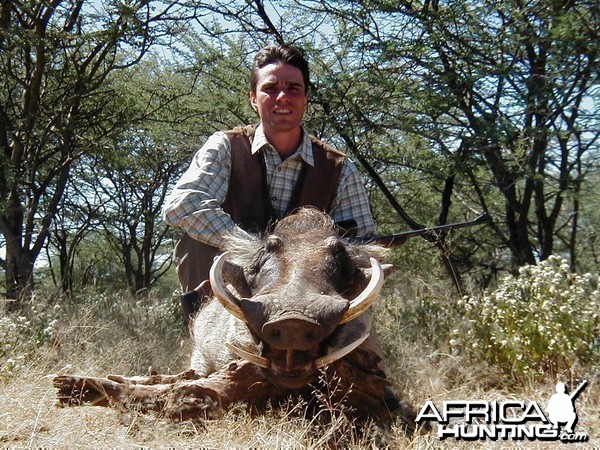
285 54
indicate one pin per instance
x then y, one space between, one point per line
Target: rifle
578 390
400 238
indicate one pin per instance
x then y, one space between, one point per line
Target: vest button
274 198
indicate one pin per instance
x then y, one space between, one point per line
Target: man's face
280 98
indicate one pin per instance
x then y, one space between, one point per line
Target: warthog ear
388 269
362 277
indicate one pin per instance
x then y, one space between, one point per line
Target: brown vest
248 200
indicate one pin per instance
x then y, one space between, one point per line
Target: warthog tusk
227 299
289 359
318 363
250 357
340 353
366 298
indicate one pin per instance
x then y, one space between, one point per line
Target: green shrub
544 321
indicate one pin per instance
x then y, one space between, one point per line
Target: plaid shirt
195 202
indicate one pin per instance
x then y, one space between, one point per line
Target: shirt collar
304 151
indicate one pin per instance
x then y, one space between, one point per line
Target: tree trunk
19 274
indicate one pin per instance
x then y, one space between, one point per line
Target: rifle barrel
400 238
578 390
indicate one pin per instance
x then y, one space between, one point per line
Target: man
251 176
561 408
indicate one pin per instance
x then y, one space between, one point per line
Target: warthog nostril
293 333
310 337
274 334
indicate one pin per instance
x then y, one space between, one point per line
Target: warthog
290 311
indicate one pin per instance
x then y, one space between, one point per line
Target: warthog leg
189 374
179 397
365 392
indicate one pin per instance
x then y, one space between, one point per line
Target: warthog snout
290 332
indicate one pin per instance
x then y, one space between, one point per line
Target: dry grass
134 336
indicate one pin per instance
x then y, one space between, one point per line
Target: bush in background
96 332
23 334
544 321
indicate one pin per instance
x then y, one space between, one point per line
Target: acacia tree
77 216
498 93
55 59
117 193
134 189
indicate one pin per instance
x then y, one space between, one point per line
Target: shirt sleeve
195 202
351 201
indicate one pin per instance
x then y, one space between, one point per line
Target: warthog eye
271 245
340 265
260 267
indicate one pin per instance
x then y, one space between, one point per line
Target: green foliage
450 105
420 315
469 97
588 253
543 321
